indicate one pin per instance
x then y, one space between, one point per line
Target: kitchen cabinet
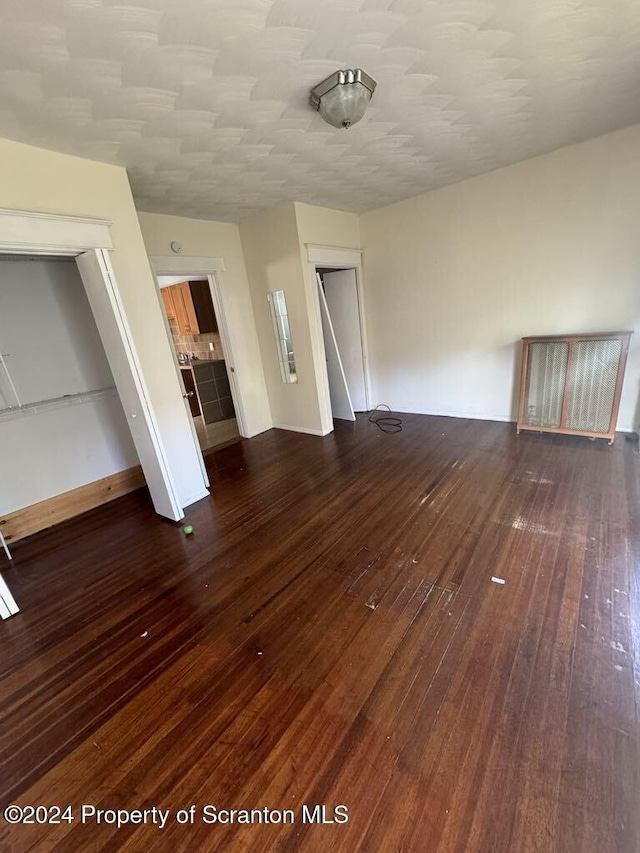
203 306
190 305
167 301
186 319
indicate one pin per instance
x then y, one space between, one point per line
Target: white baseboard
460 415
476 417
256 432
194 498
301 429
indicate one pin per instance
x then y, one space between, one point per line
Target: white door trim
27 232
185 265
337 257
333 256
212 269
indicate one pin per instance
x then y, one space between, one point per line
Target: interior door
100 285
338 390
341 293
189 394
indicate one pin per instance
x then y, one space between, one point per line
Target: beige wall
272 255
454 278
321 226
33 179
274 243
204 239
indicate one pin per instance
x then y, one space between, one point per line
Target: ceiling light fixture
342 98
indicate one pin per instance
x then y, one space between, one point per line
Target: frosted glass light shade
342 98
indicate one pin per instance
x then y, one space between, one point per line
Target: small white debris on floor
498 580
146 634
618 667
618 647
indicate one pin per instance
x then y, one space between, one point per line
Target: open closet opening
62 424
200 355
342 330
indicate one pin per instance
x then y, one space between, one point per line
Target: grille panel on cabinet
545 383
592 385
572 383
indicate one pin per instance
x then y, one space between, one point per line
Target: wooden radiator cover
571 384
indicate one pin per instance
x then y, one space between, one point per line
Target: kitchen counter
197 362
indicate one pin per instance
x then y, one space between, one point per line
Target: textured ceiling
206 101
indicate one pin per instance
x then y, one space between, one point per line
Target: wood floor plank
331 634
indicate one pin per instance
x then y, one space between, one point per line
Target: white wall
47 331
33 179
203 239
53 349
455 278
59 449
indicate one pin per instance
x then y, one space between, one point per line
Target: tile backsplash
197 345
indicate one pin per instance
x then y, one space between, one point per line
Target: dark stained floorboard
330 634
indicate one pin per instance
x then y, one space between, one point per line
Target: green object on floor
187 529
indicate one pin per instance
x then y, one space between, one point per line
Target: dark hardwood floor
331 635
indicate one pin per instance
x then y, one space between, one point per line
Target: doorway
342 328
62 423
89 243
181 268
195 337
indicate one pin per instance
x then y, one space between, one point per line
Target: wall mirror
282 333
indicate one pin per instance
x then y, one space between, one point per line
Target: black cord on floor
383 422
